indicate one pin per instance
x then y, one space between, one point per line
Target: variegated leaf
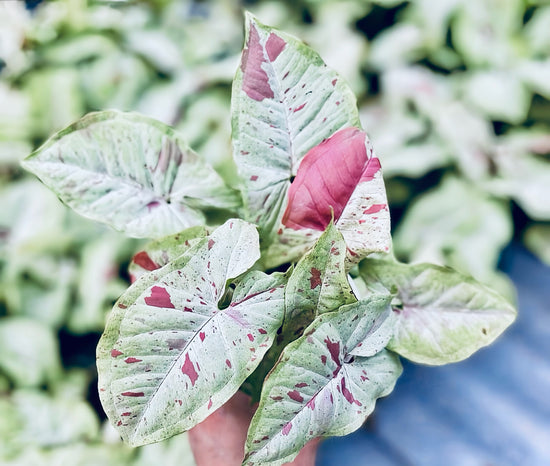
131 172
318 388
319 282
158 253
285 102
169 355
442 315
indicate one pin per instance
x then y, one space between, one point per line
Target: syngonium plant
299 302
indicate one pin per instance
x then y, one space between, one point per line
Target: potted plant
283 292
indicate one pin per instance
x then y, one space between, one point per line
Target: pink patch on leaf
374 208
115 353
144 261
334 350
228 363
327 178
286 429
274 46
262 331
132 360
315 279
202 336
159 298
250 337
348 395
211 243
295 395
189 370
255 80
133 394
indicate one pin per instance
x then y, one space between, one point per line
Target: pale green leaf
537 239
131 172
455 224
319 388
442 315
29 352
169 355
285 102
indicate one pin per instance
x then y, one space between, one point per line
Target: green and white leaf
318 388
131 172
169 355
319 282
442 315
285 101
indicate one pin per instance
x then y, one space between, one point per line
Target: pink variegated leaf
285 102
170 356
340 178
319 387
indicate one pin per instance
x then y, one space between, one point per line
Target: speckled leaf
285 102
319 282
319 388
442 315
158 253
169 355
131 172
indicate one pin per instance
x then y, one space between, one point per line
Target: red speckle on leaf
253 177
125 414
202 336
323 359
119 423
326 179
133 394
211 243
189 370
243 152
274 46
374 208
295 395
334 350
144 261
300 107
152 205
122 306
301 385
334 81
276 398
311 404
364 378
131 360
286 429
250 337
180 402
262 331
255 80
228 363
209 403
348 395
159 298
187 309
315 279
115 353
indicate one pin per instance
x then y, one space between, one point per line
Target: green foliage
441 96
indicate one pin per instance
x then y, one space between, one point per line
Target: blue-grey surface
493 409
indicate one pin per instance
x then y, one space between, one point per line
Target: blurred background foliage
455 95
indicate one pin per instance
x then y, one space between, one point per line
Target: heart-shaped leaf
169 355
131 172
318 388
285 102
442 315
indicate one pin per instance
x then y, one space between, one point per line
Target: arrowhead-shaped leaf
131 172
318 388
442 315
285 102
169 356
158 253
